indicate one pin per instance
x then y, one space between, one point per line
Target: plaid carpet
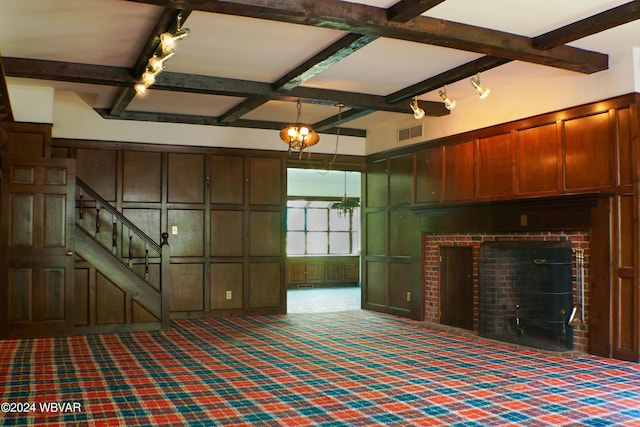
327 369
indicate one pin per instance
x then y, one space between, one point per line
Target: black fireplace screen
526 293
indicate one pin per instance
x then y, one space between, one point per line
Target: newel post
165 281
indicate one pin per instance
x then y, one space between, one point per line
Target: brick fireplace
431 263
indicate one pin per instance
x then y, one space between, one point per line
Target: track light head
418 113
483 92
449 104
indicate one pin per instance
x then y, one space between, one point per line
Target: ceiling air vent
409 133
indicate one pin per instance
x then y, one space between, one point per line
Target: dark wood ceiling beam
68 72
179 82
406 10
370 20
455 74
143 116
167 22
241 109
339 119
323 60
252 89
594 24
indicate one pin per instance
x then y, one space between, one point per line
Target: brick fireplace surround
433 242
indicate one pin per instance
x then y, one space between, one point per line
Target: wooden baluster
81 209
114 236
130 249
146 262
97 219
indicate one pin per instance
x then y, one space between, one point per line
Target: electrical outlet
408 296
229 295
174 229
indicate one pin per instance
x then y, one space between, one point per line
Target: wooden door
36 291
456 286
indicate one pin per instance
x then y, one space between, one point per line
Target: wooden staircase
126 263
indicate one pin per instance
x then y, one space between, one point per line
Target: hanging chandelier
299 135
346 206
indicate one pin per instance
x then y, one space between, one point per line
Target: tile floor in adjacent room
319 300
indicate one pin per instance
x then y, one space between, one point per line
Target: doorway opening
323 240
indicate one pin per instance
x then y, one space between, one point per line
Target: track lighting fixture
299 135
165 51
483 92
448 103
418 112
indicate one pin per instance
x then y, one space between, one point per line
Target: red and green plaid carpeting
327 369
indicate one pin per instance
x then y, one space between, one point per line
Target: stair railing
133 247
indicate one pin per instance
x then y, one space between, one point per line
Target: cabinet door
334 272
315 272
429 175
295 272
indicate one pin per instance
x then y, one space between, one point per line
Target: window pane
295 219
296 203
317 219
355 242
339 242
338 221
317 243
295 243
355 219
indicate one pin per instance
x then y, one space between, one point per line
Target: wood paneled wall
224 211
493 179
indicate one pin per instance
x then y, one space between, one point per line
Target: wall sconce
299 135
418 113
482 92
448 103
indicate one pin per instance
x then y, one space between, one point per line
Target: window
313 228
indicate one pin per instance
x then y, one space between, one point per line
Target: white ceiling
113 33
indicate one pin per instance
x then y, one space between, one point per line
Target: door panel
456 286
36 296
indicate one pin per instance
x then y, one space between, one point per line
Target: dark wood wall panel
495 168
187 287
110 302
625 150
460 171
226 277
401 180
401 233
376 237
625 338
265 178
25 139
537 159
227 233
429 175
377 184
98 169
81 297
147 220
589 151
140 315
376 286
265 288
186 178
189 240
626 257
265 233
227 179
142 177
400 286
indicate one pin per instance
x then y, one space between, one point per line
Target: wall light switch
408 296
229 294
524 219
174 229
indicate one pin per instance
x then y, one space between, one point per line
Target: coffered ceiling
247 62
